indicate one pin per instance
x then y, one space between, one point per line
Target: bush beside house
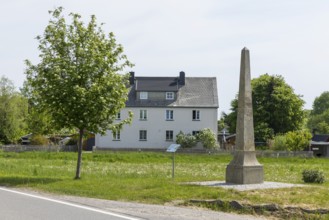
206 136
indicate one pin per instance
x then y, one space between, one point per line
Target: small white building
162 107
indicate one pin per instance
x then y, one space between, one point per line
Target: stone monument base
239 174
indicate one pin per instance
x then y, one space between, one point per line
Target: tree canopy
321 104
80 79
39 121
13 112
319 116
277 109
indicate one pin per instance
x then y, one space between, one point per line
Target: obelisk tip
245 48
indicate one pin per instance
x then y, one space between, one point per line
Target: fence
260 153
180 150
48 148
278 154
57 148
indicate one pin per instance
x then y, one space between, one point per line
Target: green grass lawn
146 177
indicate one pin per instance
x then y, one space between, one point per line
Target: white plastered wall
156 126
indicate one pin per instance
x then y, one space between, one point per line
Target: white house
162 107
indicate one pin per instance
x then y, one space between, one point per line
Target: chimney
181 78
132 78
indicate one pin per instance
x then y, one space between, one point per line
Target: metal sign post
172 149
173 165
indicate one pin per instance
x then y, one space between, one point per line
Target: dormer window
143 95
169 95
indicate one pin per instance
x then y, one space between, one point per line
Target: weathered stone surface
315 211
236 205
244 174
245 121
268 207
274 209
244 168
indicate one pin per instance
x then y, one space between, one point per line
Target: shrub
207 138
280 142
292 140
39 139
297 140
313 176
186 140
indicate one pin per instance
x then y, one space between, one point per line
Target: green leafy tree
263 132
39 120
277 109
321 104
13 111
319 123
322 127
230 119
79 79
221 124
319 116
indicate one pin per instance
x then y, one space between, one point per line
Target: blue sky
200 37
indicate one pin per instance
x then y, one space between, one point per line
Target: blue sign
173 148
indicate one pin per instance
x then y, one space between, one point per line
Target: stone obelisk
244 168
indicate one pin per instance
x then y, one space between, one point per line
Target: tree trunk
78 171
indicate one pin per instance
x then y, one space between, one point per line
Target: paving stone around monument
245 187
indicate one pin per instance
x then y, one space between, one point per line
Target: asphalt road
24 204
15 205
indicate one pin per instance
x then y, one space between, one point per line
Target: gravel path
146 211
244 187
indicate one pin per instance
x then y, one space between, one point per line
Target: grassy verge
146 177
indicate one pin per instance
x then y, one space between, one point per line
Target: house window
194 133
116 135
169 115
169 95
196 115
143 95
142 135
169 135
118 116
143 115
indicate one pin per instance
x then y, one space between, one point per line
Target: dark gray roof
321 138
151 84
197 92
